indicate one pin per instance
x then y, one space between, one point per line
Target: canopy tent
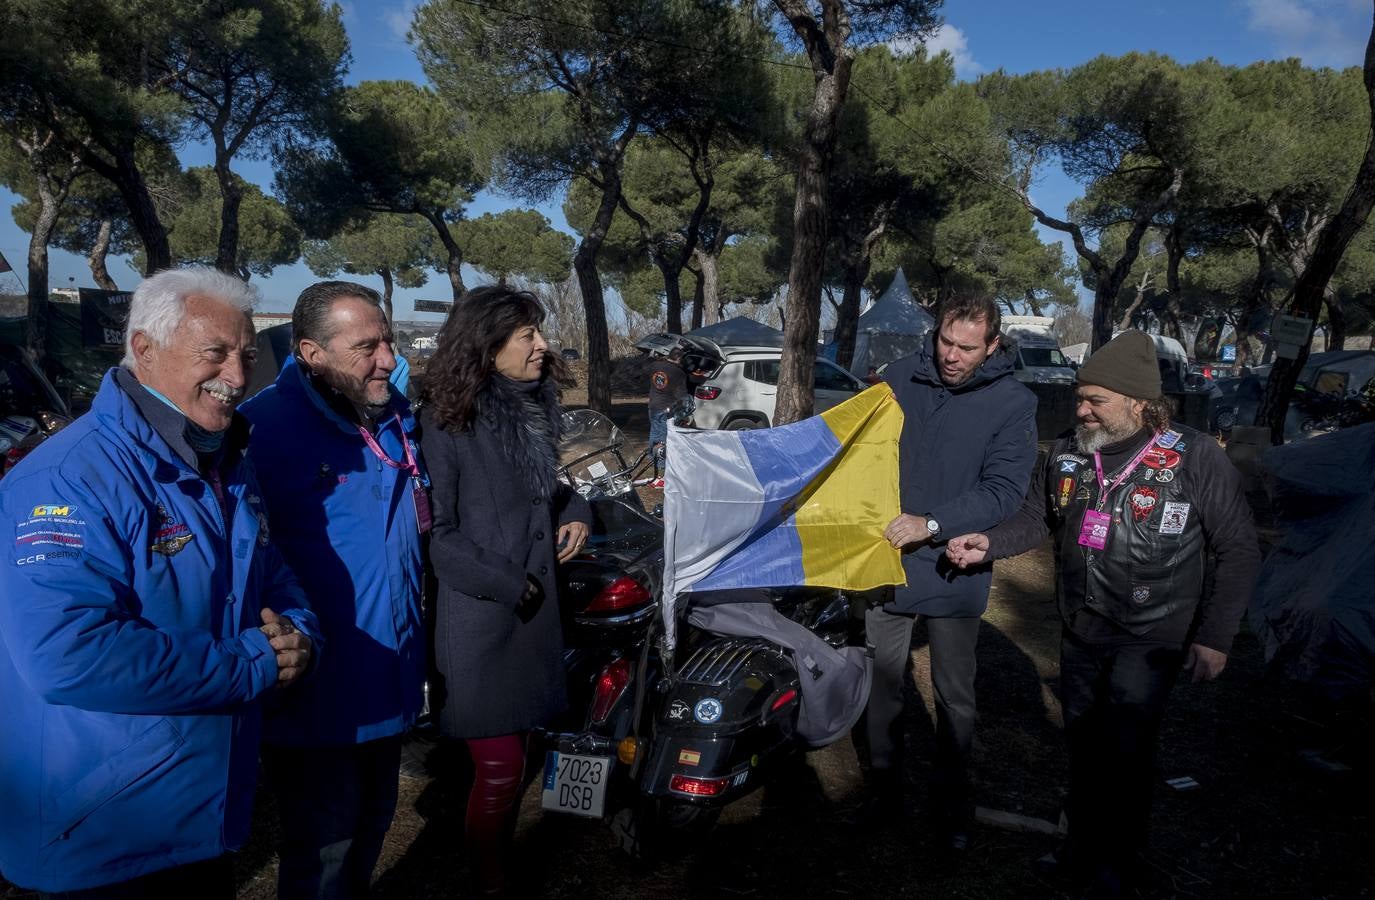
894 327
739 332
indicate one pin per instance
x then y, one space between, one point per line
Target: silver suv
741 393
735 387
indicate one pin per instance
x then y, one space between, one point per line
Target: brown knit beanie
1126 364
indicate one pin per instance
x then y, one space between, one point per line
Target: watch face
933 526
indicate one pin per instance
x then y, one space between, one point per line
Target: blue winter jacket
965 459
131 660
346 522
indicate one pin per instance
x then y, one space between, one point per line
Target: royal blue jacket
346 523
965 458
131 661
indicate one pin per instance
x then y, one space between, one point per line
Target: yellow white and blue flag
800 504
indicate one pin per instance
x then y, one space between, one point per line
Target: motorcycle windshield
589 449
619 526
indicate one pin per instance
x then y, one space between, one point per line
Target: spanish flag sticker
689 757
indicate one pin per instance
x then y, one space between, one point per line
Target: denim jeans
336 804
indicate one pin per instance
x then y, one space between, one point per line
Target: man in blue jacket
143 613
966 453
345 491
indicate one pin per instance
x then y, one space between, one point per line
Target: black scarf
524 415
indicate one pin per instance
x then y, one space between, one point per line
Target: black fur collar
525 418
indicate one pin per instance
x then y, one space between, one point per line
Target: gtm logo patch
52 510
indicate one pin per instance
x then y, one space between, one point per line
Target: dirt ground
1269 818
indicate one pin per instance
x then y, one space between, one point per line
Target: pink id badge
423 518
1094 533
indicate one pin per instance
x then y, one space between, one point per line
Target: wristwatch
932 526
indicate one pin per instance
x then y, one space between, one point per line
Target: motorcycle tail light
706 392
623 593
698 787
783 700
610 685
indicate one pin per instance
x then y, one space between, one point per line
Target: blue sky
981 35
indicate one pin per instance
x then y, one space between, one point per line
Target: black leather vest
1152 563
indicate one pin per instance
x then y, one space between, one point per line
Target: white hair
159 302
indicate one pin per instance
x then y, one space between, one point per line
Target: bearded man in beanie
1138 508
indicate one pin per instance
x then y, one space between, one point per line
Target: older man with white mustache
144 613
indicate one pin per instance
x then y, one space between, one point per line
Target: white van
1038 357
1173 361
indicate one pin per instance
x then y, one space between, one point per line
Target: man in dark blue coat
966 453
345 491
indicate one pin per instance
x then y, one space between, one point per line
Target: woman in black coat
502 522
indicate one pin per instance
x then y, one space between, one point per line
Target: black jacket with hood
965 457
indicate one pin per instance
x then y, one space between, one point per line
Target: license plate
575 784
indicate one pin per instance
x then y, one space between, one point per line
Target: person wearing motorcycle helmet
668 386
502 524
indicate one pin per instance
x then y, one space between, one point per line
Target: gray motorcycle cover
834 683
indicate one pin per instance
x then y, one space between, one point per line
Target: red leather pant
499 770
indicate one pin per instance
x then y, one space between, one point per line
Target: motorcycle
31 410
661 748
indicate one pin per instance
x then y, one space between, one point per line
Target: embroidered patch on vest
1141 593
1160 458
1174 518
1143 502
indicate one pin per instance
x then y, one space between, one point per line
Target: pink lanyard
1107 489
409 466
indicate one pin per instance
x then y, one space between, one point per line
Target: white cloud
947 38
398 19
1320 32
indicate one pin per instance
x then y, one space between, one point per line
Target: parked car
1336 389
30 407
735 387
570 353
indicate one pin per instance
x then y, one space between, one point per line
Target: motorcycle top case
732 704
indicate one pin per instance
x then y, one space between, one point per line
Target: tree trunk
673 298
1336 320
825 39
231 197
593 301
709 262
1109 278
453 254
52 193
598 341
385 272
802 319
847 317
1174 250
1032 303
711 288
698 293
36 332
1141 287
143 212
1311 287
95 260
